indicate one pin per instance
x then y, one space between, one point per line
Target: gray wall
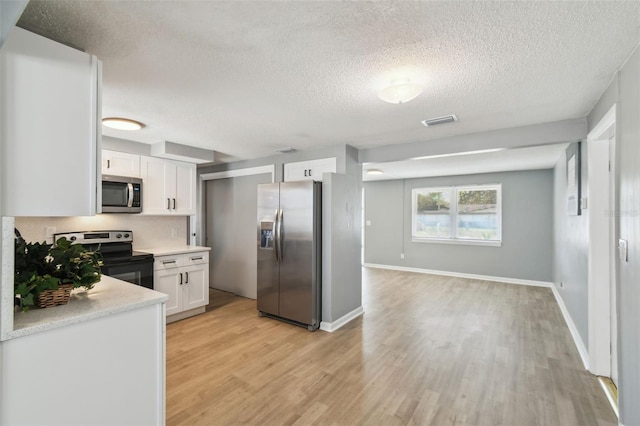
625 91
526 227
10 11
571 247
341 237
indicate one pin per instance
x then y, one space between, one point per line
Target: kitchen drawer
162 263
199 258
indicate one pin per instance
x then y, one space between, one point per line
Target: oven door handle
132 261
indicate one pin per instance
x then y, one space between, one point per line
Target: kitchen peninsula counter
106 345
108 297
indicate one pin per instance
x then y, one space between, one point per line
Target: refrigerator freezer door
268 267
297 260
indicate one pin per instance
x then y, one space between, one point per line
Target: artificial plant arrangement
42 268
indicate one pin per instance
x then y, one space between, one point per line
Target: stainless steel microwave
121 194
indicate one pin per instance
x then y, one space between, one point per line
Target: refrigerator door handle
280 236
276 237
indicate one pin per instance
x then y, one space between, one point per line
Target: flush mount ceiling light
400 91
374 172
122 123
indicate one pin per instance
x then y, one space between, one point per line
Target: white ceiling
531 158
244 77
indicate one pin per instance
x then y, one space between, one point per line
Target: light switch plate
623 252
368 223
583 203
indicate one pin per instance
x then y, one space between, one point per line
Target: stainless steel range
116 247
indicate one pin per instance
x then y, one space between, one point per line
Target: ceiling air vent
440 120
285 150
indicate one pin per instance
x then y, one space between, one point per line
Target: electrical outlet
401 255
368 222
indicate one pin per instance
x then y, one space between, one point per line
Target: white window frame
453 213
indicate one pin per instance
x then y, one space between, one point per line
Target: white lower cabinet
185 279
105 371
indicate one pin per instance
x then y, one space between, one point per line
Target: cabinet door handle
108 164
174 203
187 274
168 204
309 172
180 278
305 172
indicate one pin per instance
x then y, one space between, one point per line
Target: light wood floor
429 350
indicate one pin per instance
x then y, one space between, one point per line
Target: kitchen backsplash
148 231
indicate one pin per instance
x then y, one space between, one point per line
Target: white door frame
601 244
197 222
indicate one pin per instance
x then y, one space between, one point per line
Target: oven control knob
73 238
119 236
126 235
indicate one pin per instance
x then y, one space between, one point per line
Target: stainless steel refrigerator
290 252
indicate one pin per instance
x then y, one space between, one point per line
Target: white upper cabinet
120 163
309 170
168 187
49 115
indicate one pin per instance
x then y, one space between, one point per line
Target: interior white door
599 265
613 255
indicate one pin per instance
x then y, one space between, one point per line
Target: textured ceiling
244 78
532 158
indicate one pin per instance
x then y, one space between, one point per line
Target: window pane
477 214
432 202
478 226
433 226
432 214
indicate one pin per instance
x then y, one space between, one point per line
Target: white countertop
165 251
109 296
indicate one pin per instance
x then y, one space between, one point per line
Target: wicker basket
49 298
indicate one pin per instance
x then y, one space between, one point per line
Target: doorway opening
603 231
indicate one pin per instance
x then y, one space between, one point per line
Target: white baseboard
577 340
462 275
333 326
